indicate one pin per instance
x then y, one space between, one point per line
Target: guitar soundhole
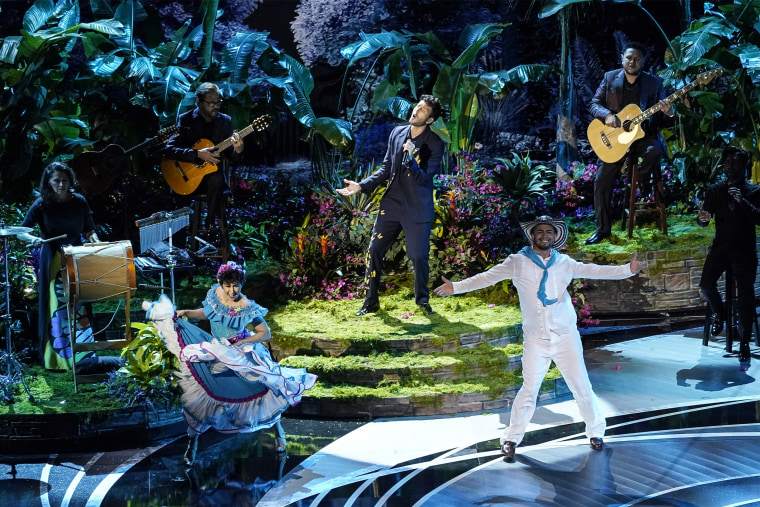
627 125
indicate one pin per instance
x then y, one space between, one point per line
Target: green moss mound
53 393
426 390
377 368
683 234
296 324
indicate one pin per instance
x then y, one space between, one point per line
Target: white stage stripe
82 472
44 478
100 492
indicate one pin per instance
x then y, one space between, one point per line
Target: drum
98 271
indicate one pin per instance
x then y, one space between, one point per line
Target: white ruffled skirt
231 388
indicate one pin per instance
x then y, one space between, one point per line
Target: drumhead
98 271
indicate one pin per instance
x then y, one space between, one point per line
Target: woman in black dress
57 211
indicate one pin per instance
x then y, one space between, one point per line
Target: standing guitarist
206 122
619 88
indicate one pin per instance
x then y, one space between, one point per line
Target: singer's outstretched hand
351 188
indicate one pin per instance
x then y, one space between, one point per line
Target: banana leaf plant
411 60
39 108
295 82
567 137
727 110
159 78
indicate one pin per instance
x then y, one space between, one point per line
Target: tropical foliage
70 82
728 111
417 63
148 374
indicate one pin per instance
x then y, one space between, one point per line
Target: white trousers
567 353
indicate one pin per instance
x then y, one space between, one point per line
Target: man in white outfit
541 275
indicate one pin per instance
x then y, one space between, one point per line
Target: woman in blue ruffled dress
229 380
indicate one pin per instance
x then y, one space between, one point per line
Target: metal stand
13 369
171 263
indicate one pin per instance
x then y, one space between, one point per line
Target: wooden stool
732 316
199 208
636 207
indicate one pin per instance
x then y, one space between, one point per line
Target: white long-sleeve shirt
539 321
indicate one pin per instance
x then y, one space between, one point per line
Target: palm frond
38 15
106 64
472 39
238 54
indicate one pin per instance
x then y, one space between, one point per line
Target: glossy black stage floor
683 430
707 455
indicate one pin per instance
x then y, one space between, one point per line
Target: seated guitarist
206 122
619 88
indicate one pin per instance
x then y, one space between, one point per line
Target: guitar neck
150 142
228 142
670 99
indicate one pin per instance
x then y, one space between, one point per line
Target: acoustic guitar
184 177
611 143
95 170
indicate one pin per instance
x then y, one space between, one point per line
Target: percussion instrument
13 230
98 271
160 226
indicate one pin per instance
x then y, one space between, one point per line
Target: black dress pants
384 233
648 150
744 267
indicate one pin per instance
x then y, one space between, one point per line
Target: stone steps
284 345
472 372
372 370
414 406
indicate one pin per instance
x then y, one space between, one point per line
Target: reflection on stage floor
683 430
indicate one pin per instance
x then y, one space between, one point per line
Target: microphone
405 161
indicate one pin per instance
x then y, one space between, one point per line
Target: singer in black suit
411 162
735 204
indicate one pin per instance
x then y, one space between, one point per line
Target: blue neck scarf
538 261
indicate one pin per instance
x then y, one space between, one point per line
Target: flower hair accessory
230 266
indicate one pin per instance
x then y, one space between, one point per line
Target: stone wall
669 282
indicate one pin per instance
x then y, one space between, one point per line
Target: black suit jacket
410 194
609 99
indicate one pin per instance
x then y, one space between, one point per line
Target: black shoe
744 354
716 324
508 451
425 307
597 443
368 308
597 237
